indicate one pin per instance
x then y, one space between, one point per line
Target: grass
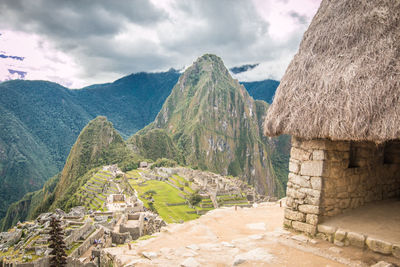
74 246
165 193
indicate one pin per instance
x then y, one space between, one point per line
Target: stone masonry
327 178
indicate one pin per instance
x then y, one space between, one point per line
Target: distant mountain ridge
40 121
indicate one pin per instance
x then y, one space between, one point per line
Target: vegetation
56 240
35 148
98 144
40 121
163 162
165 194
262 90
211 123
155 144
194 199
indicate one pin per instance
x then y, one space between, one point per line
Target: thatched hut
340 101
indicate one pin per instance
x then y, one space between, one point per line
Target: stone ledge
341 237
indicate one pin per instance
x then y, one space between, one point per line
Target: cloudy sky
77 43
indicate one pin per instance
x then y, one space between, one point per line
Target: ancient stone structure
342 109
327 178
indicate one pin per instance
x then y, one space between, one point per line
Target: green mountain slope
98 144
216 125
40 121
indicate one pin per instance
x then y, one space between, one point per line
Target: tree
56 240
194 199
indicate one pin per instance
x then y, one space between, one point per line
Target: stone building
340 101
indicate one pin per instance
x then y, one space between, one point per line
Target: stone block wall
327 178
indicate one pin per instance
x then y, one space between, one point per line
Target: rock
193 247
313 241
383 264
309 209
101 218
189 254
258 254
238 260
379 246
356 239
166 250
256 237
396 250
190 262
39 251
256 226
318 155
227 244
316 183
294 167
326 229
300 238
150 255
77 211
338 243
340 235
312 219
44 217
335 250
312 168
60 212
12 237
294 215
304 227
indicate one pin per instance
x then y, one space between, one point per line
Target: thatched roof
344 82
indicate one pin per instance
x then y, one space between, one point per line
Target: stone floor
242 237
380 220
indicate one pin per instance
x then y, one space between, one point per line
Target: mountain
98 144
215 124
131 102
243 68
40 121
262 90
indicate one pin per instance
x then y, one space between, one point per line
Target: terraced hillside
169 192
169 200
94 193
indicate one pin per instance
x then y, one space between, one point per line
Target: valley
114 207
41 120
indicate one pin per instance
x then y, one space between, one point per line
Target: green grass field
165 194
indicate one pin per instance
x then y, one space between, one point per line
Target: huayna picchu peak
215 125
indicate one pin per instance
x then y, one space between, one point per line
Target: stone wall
327 178
87 243
76 234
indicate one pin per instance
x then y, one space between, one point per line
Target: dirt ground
242 237
380 220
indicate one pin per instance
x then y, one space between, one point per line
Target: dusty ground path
242 237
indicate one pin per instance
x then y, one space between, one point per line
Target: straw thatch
344 82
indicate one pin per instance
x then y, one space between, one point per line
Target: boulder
380 246
190 262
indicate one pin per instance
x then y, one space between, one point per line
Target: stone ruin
86 233
328 178
215 184
134 225
113 169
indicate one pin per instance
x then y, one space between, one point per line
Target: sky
81 42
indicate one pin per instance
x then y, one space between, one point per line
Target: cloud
95 41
